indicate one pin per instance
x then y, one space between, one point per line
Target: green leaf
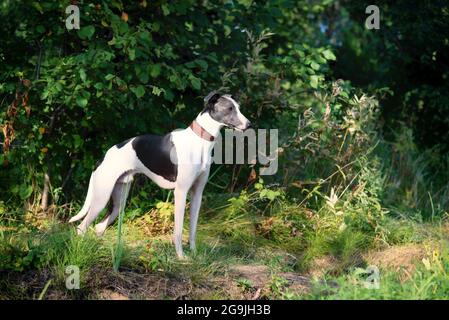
329 55
314 81
168 95
202 63
155 70
86 33
142 74
196 83
82 99
271 195
344 94
40 29
117 4
132 54
157 91
139 91
145 37
165 10
25 191
314 65
78 142
38 7
227 30
82 73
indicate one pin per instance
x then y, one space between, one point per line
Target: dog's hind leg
87 202
180 204
103 184
119 195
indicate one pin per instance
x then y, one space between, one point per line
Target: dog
179 160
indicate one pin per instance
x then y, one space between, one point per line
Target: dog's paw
80 231
182 257
99 230
72 219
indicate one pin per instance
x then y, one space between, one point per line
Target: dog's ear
212 97
210 100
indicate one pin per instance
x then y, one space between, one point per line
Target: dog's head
225 110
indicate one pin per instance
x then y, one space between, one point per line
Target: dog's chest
192 151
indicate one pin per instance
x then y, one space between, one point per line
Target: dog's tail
87 202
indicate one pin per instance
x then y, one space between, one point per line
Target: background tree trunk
45 191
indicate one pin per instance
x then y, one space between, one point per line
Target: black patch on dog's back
121 144
154 152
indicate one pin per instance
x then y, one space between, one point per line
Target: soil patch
399 258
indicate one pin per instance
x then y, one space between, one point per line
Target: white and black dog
180 160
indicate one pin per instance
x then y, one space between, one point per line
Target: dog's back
158 154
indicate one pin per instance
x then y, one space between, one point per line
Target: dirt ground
402 259
241 281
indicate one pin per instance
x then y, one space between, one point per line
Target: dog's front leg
195 203
180 204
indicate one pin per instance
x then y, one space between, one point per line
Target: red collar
201 132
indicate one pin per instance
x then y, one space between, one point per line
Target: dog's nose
249 125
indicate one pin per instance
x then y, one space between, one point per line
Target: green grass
427 283
221 244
